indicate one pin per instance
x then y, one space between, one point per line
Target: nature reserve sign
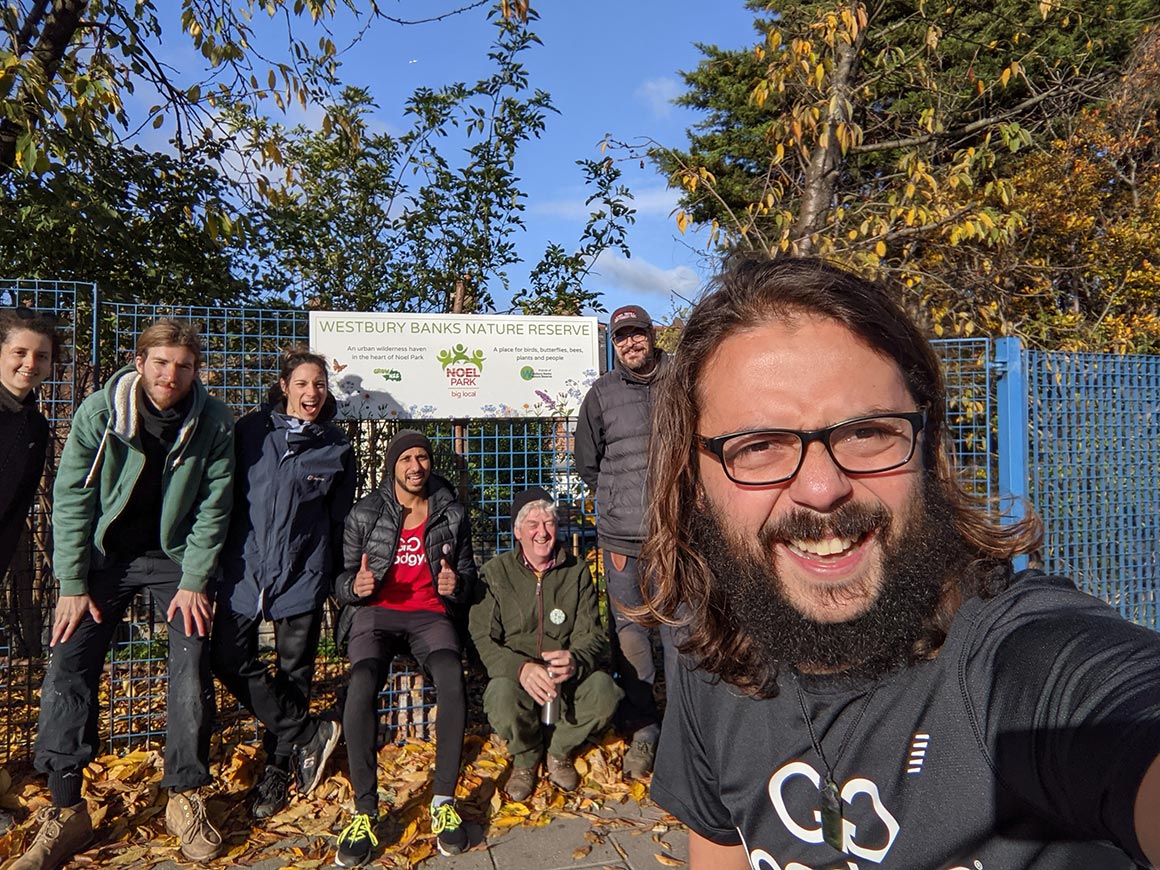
455 365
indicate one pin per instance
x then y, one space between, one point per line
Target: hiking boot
451 836
638 761
64 831
271 793
357 841
562 772
521 783
185 818
310 758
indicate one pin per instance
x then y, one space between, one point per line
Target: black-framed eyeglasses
629 332
863 445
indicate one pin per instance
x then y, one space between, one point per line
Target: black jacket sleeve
589 450
356 531
341 499
465 570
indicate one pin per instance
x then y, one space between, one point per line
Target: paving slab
551 847
641 846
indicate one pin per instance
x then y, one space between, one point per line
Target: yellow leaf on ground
669 860
581 852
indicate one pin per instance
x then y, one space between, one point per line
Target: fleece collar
124 404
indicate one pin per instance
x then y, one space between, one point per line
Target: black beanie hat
403 441
529 495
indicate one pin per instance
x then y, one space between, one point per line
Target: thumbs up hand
447 579
364 580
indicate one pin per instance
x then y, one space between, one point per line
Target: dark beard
882 639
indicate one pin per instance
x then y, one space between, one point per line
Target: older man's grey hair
548 507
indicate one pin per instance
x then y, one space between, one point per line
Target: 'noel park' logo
462 367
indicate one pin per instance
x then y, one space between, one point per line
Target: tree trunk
825 163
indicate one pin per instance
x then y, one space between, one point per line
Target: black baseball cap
626 316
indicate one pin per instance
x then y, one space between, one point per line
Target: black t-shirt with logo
1019 747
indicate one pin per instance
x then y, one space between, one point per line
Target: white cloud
658 200
648 201
658 95
638 276
566 208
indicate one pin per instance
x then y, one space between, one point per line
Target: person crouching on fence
294 486
537 628
409 564
141 503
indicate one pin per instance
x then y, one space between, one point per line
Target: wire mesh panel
970 410
27 597
1094 442
242 346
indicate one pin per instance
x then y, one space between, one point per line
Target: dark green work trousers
516 717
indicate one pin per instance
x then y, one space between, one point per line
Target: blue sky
611 67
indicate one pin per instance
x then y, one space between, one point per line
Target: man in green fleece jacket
141 503
537 629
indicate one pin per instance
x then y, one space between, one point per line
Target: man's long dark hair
745 296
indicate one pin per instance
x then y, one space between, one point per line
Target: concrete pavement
627 836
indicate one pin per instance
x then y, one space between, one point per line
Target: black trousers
377 634
67 735
279 697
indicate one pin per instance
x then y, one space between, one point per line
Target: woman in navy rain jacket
295 483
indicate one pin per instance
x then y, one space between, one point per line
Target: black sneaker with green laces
357 841
451 838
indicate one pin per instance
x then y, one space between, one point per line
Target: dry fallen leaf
669 860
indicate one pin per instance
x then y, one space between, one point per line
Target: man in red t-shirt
409 563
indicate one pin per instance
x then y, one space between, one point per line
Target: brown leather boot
562 772
64 831
186 819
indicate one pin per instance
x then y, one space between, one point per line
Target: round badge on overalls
557 616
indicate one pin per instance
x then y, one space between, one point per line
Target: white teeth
828 547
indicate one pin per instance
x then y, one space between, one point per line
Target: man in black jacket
408 560
612 457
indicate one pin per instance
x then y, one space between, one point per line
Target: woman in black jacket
29 345
295 483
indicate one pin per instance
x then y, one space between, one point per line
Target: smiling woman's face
25 361
305 392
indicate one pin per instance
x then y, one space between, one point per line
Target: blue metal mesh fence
1094 473
970 410
1078 443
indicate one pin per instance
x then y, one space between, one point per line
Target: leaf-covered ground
128 807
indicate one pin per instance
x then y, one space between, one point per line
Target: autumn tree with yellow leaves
1084 271
900 139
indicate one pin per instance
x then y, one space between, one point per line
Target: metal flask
550 711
